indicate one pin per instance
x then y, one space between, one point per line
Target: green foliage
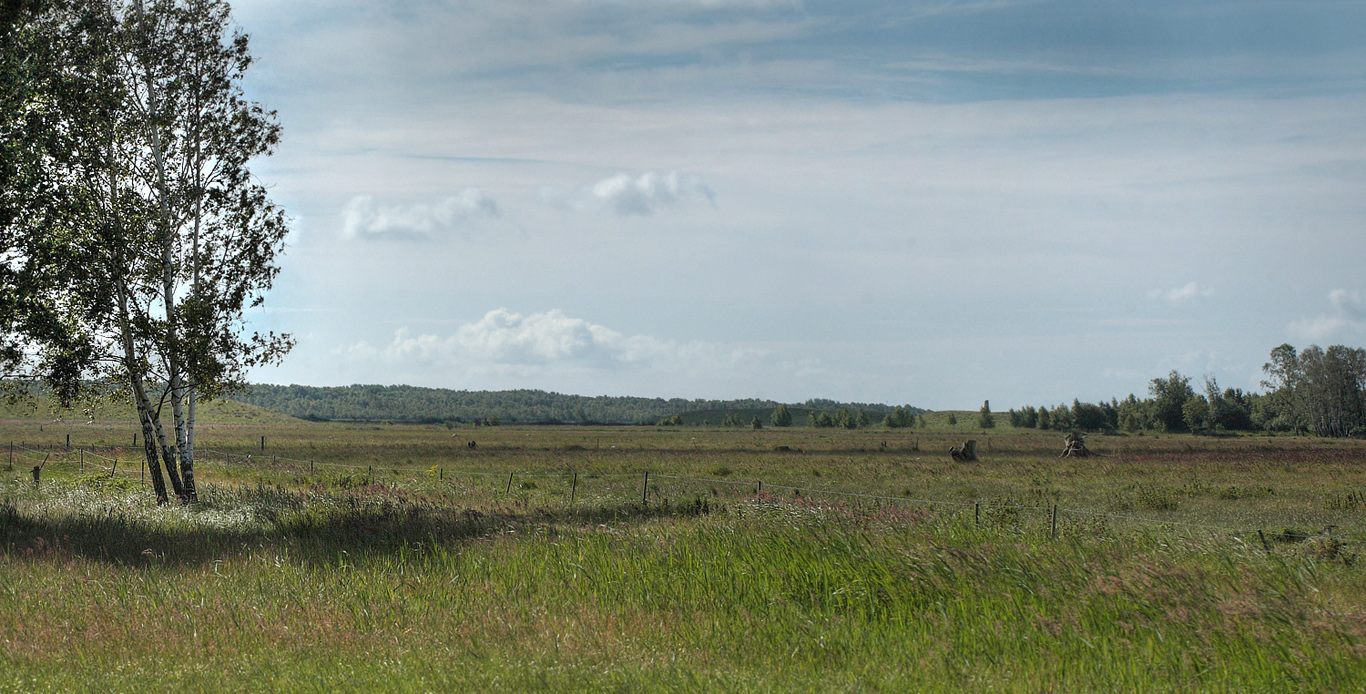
1195 413
781 417
900 418
985 419
434 405
1060 418
1169 398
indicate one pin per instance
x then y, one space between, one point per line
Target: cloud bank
504 338
363 219
650 192
1349 314
1182 294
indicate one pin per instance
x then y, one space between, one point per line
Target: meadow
400 558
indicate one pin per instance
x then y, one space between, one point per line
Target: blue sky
934 203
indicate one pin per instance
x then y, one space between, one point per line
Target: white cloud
1319 327
1181 294
1348 302
1350 315
507 339
649 192
363 219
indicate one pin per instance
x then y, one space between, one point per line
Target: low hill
220 411
432 405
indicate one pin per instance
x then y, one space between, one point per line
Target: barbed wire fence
644 487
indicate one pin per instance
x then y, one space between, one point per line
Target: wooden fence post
977 512
573 487
1265 545
645 489
509 489
1053 529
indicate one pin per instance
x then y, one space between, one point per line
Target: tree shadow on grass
309 528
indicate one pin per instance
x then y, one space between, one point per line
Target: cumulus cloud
363 219
1349 314
649 192
505 338
1182 294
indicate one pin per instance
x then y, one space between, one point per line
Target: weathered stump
964 453
1074 446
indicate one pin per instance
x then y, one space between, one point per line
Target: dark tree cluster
1319 391
436 405
843 418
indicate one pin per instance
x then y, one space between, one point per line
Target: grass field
398 558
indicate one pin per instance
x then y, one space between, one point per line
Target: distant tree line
1311 391
435 405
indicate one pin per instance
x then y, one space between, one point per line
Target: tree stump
964 453
1074 446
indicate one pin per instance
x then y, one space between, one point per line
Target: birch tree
151 183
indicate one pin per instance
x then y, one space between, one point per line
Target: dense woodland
1315 390
433 405
1319 391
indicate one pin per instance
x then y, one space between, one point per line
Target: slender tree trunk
169 456
148 442
174 366
146 415
197 166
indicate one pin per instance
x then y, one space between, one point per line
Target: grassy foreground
423 567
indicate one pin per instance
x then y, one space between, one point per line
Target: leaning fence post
509 489
645 489
1053 529
573 487
1265 545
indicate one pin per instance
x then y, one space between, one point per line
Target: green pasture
400 558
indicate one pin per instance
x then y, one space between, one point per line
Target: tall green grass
272 588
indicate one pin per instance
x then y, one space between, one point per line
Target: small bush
1154 498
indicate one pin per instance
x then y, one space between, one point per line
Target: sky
932 203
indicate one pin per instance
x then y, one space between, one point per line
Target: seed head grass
281 578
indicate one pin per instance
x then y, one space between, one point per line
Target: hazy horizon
934 203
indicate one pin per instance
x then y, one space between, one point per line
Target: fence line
37 455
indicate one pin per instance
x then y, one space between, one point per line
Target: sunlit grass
431 569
